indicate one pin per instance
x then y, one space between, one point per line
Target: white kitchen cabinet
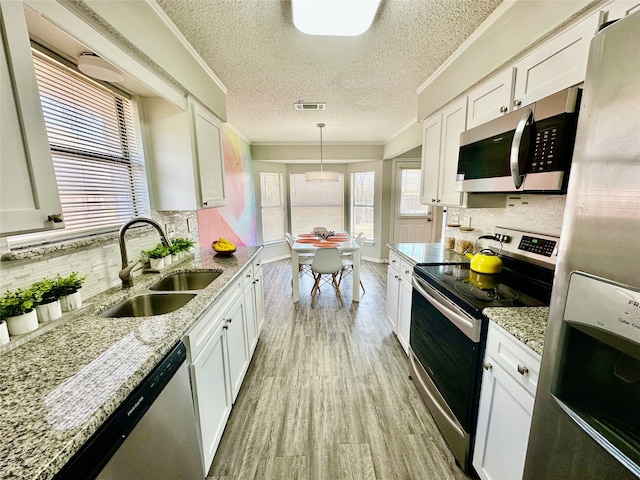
560 63
404 307
28 188
399 293
440 145
393 290
620 9
211 393
491 99
506 406
235 319
187 162
254 303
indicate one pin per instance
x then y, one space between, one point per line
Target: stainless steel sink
185 281
148 304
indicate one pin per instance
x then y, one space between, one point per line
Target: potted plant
17 308
176 252
183 244
47 296
156 256
69 291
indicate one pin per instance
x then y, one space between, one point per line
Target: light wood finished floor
327 395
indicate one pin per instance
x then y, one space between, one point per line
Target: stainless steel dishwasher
151 436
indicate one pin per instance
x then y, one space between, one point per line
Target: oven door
446 343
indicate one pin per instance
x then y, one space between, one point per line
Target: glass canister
451 232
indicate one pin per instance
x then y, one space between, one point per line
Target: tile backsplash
98 258
536 213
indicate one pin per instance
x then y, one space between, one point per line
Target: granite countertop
428 253
57 388
527 324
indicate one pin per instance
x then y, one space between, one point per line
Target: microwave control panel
544 150
552 143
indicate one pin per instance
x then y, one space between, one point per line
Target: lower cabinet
219 348
211 393
399 292
506 406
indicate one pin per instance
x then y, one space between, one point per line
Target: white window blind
95 144
362 203
273 211
316 204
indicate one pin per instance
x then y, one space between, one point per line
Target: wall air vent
310 105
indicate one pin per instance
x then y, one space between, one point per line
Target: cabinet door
431 136
393 297
454 120
252 334
558 64
621 8
258 295
28 188
491 99
211 394
236 333
504 421
404 314
210 159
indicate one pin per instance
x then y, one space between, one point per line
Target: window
273 211
362 211
316 204
95 144
410 193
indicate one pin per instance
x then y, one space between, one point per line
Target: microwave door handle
518 177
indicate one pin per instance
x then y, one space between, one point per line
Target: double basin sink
167 295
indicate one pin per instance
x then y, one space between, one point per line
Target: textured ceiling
369 82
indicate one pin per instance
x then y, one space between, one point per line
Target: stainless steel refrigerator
586 419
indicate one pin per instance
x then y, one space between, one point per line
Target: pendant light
321 175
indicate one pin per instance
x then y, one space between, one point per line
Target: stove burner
499 293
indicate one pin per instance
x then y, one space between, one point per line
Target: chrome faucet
126 274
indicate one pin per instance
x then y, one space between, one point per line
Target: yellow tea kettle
486 260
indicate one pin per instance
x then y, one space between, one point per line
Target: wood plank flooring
327 395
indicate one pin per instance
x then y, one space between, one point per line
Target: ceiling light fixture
321 175
346 18
97 67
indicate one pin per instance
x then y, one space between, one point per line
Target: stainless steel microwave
527 150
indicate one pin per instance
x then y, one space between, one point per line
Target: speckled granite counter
59 387
427 253
527 324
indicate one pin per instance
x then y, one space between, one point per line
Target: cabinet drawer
197 336
394 260
406 270
518 360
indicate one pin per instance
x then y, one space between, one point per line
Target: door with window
413 221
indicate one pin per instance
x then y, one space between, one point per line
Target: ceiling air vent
310 105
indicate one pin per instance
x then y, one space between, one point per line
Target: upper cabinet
491 99
28 189
440 144
558 64
186 158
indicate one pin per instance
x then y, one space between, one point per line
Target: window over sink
94 136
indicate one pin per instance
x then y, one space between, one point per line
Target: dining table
308 244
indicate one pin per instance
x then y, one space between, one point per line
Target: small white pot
175 257
4 332
70 302
20 324
49 311
156 263
167 260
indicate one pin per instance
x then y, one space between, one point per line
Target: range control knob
503 238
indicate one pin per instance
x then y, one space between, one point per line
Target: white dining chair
326 261
347 261
304 260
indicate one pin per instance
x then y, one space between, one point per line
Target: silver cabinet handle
503 109
433 199
55 218
523 370
517 103
487 366
406 271
514 160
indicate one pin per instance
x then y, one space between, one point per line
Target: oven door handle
468 325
